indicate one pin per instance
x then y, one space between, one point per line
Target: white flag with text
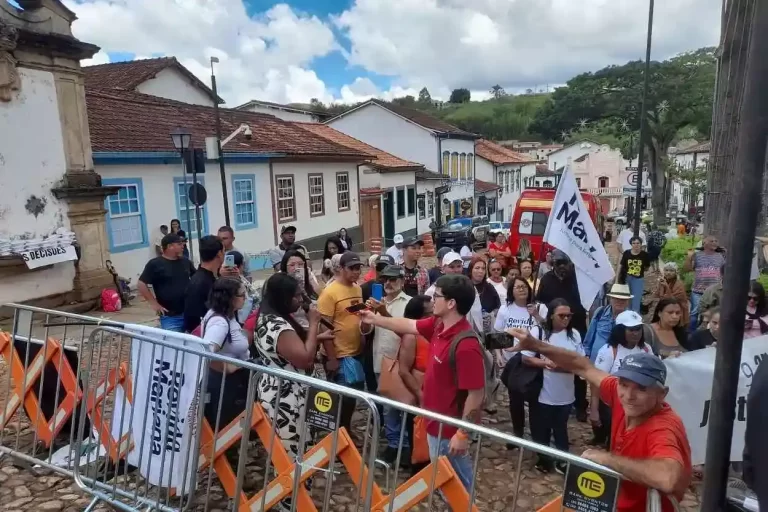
570 229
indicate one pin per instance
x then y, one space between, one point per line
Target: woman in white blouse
225 335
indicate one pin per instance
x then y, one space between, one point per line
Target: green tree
693 180
498 91
460 96
424 97
680 96
405 101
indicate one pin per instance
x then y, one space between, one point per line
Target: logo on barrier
323 401
588 491
591 484
322 409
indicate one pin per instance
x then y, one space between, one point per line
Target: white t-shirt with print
558 388
608 363
216 329
396 254
475 315
512 315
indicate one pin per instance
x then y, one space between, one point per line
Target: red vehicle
532 213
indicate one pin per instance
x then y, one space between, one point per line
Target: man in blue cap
649 446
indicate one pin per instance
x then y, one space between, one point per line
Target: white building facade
444 150
509 170
687 158
284 112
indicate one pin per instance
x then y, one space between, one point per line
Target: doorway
370 219
389 218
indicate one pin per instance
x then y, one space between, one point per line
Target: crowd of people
447 338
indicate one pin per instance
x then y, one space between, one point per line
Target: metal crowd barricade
126 393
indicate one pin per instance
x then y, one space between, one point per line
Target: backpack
491 382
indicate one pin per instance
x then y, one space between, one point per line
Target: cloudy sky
350 50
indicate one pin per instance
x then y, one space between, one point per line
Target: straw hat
620 291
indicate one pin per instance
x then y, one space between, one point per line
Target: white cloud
100 58
440 44
519 44
265 57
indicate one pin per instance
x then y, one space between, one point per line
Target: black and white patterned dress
292 394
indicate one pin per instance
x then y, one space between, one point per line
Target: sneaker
511 446
543 467
389 455
581 416
561 467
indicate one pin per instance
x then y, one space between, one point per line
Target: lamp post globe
181 139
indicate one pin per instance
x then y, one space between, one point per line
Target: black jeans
517 401
550 421
603 432
233 398
580 390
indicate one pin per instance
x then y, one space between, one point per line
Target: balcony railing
606 191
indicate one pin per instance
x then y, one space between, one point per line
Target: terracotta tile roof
130 74
697 148
481 187
499 155
379 158
417 116
122 121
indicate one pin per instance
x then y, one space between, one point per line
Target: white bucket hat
620 291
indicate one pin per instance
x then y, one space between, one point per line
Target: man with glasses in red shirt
455 391
649 446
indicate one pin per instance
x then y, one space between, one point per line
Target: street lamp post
222 172
181 141
643 122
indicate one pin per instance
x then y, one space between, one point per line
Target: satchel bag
391 385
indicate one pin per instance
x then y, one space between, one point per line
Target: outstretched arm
397 325
566 359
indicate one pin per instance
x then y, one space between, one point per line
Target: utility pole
750 163
222 172
643 120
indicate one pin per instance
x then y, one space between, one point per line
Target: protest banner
689 378
165 382
570 229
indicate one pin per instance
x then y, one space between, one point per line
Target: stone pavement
23 490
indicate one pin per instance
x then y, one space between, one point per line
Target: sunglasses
564 316
752 297
391 279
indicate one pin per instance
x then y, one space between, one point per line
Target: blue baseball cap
643 369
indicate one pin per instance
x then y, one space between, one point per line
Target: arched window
519 179
602 182
508 187
454 166
463 166
446 163
547 183
500 178
470 166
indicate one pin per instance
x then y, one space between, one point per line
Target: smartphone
229 260
356 308
377 291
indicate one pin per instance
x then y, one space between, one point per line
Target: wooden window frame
278 177
322 194
339 193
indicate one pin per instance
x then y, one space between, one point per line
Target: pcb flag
570 229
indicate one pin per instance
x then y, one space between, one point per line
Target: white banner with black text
689 378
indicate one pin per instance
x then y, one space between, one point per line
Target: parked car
470 231
500 227
613 215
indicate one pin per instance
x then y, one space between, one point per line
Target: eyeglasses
437 296
495 270
520 288
391 279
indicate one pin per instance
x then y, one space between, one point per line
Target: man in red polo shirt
649 446
456 392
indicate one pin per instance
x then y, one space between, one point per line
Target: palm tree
497 91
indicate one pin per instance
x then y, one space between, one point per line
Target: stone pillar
44 41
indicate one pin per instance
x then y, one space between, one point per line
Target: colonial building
276 174
388 184
164 77
508 171
444 151
285 112
690 157
49 186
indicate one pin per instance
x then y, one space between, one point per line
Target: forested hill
601 105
